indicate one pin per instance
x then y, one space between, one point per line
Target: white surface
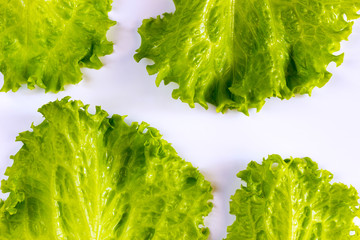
325 127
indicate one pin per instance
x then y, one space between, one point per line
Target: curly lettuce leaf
292 199
236 54
86 176
45 42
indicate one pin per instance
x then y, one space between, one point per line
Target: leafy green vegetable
84 176
235 54
45 42
292 199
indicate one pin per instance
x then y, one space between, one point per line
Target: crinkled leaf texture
292 199
84 176
45 42
234 54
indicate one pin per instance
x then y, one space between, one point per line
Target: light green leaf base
85 177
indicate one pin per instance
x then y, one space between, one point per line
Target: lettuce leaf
45 42
292 199
86 176
235 54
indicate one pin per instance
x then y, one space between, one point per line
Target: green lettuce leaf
292 199
235 54
84 176
45 42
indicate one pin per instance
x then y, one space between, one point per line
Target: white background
325 127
